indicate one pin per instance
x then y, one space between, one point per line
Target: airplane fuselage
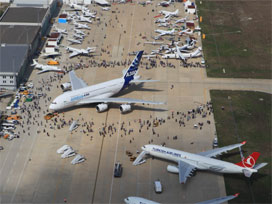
101 90
196 160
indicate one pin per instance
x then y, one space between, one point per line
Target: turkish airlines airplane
139 200
101 93
189 162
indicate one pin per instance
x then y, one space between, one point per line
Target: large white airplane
81 26
189 46
77 7
74 41
165 32
62 31
189 162
139 200
102 93
183 56
169 13
50 54
45 68
84 19
76 52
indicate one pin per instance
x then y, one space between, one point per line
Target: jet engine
66 86
102 107
172 169
124 108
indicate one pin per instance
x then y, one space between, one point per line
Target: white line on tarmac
115 155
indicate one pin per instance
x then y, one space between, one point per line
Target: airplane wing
219 151
185 171
179 54
74 53
219 200
40 72
76 82
117 100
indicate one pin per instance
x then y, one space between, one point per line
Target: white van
158 186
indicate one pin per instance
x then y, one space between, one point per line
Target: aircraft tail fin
250 161
133 68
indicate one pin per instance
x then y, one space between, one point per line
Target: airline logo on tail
133 68
250 161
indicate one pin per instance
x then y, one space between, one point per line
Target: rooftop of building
24 15
18 34
12 57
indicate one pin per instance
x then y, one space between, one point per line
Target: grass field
238 38
246 116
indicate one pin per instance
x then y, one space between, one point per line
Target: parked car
118 170
158 186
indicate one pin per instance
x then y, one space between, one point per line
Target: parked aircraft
164 25
62 31
81 26
187 31
73 126
162 20
89 14
76 52
79 32
84 19
182 20
153 43
139 200
45 68
78 159
169 13
186 47
50 54
165 3
164 32
77 7
102 93
77 36
183 56
189 162
74 41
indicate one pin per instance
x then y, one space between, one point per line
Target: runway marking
115 155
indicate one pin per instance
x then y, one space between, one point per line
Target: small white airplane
74 41
165 32
164 25
182 20
165 3
169 13
76 52
77 36
106 9
139 200
62 31
45 68
81 26
189 162
77 7
84 19
50 54
162 20
183 56
89 14
102 93
189 46
187 31
79 32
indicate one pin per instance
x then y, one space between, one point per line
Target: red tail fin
250 161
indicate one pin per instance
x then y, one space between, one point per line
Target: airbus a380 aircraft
101 93
139 200
189 162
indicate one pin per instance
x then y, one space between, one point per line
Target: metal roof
24 15
18 34
12 57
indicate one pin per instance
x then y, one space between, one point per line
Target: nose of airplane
52 106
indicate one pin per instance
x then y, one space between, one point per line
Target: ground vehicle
118 170
215 142
158 186
13 117
53 62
